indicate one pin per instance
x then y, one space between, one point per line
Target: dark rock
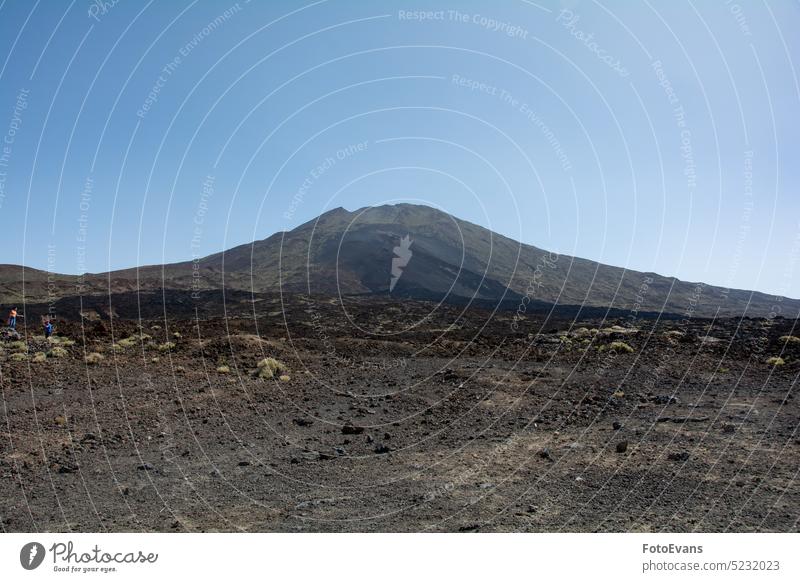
146 467
382 449
664 399
622 446
244 463
680 456
545 454
616 425
302 421
682 419
350 429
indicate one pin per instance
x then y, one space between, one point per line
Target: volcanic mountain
407 250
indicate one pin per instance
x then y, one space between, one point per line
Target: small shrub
223 369
268 367
790 339
284 378
62 341
620 347
177 335
127 342
18 357
58 352
776 361
94 358
167 346
18 346
39 357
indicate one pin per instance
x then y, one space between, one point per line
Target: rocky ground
401 416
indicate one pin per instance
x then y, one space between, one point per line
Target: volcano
413 251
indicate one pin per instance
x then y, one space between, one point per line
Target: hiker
12 318
48 329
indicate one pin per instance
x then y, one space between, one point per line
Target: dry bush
58 352
39 357
790 339
776 361
18 357
284 378
94 358
223 369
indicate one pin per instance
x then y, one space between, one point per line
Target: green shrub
39 357
268 367
776 361
223 369
18 346
167 346
620 347
790 339
18 357
94 358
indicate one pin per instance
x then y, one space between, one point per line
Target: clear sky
659 136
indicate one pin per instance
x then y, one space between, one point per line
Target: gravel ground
402 416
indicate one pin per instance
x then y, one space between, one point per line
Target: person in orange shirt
12 318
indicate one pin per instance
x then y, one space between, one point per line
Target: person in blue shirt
48 329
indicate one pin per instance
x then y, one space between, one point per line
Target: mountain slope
347 253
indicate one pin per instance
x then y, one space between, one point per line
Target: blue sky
656 136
